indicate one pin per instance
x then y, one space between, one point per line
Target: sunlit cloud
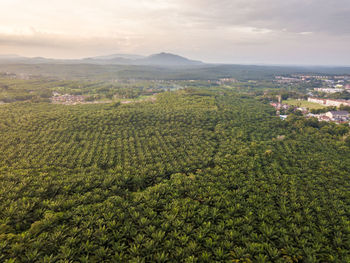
221 31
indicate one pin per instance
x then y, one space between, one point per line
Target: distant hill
107 61
161 59
115 59
13 59
118 56
162 66
167 59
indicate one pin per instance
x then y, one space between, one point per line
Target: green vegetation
304 103
339 95
37 89
199 175
208 71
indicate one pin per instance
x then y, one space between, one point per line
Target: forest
197 175
204 72
23 87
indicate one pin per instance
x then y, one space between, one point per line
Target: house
283 117
281 79
279 106
328 90
320 117
337 103
67 99
303 110
338 115
316 100
330 102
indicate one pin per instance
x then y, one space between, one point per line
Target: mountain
107 61
167 59
161 59
117 59
15 59
118 56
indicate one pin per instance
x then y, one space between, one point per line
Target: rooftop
342 112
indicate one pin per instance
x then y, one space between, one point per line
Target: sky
313 32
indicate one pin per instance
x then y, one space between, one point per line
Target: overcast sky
228 31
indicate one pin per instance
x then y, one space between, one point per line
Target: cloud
293 15
63 45
220 30
59 41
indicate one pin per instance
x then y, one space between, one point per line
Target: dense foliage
202 72
23 87
196 176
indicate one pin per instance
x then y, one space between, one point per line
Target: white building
328 90
317 100
338 115
330 102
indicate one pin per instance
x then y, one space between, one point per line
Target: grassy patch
304 103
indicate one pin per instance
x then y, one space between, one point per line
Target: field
198 175
304 103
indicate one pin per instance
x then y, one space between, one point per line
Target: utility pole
279 105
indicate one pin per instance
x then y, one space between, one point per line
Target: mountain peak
169 59
164 54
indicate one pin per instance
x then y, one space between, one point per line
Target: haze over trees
161 66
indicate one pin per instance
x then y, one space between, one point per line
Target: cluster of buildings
329 90
67 98
226 80
334 89
281 106
336 116
337 82
281 79
327 84
329 102
321 77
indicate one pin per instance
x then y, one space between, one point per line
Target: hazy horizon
292 32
